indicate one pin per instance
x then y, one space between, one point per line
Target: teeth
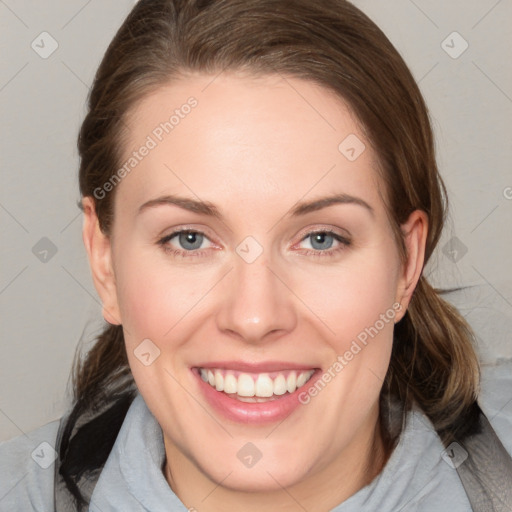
248 385
230 383
219 381
245 385
280 385
301 379
264 386
291 382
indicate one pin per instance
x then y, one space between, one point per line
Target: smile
255 387
254 393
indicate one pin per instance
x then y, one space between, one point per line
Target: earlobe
99 252
415 236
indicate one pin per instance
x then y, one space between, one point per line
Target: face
252 251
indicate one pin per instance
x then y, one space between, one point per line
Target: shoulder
496 399
27 470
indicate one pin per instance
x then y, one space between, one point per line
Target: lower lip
253 413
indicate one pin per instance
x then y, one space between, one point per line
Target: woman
260 197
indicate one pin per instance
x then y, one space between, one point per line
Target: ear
414 231
99 252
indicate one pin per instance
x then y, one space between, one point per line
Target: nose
257 305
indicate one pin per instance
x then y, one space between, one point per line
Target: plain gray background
47 299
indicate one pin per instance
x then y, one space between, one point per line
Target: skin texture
254 147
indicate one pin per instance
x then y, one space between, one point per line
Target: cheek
352 297
157 298
159 302
357 304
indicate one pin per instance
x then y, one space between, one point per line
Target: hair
329 42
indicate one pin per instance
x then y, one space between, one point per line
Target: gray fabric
26 486
486 474
416 477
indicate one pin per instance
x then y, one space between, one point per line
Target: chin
268 475
258 480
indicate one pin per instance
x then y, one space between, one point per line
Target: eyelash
344 243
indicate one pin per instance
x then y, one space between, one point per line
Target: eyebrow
209 209
324 202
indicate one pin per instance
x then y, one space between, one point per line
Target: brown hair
334 44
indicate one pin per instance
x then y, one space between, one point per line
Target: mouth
255 387
250 393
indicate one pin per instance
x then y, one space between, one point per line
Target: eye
189 243
179 243
324 243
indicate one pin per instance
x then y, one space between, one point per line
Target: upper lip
256 367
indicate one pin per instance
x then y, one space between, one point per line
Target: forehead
269 139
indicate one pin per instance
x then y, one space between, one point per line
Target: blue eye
321 243
187 241
190 240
